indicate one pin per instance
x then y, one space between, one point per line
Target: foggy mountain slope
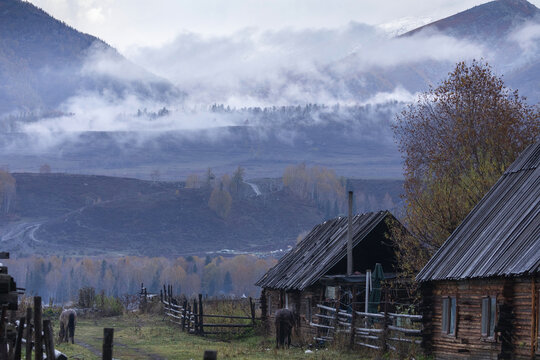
491 21
90 215
43 62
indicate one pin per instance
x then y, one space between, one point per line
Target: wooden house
315 271
481 289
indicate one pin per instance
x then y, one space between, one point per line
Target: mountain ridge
43 61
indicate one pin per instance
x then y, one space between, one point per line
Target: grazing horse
285 321
68 319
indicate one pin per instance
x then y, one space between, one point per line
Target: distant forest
58 279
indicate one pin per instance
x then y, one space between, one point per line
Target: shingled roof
501 235
324 247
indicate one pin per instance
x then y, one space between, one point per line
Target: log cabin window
331 292
489 316
449 312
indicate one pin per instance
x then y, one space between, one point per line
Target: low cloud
291 66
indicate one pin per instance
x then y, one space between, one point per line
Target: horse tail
71 325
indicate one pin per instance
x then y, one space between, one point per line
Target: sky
125 24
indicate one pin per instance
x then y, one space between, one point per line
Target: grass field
149 337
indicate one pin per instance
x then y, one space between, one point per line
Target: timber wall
516 323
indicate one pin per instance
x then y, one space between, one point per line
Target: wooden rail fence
380 331
191 316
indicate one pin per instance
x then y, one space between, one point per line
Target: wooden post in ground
195 317
164 292
210 355
184 314
252 309
48 339
201 321
18 342
384 335
38 327
161 295
188 317
353 320
108 335
3 337
28 337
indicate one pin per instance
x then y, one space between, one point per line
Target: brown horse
285 322
68 319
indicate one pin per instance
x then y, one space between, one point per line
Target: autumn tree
237 179
220 201
456 140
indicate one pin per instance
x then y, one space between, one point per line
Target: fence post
195 317
18 342
49 339
164 292
252 309
201 321
210 355
3 337
161 295
188 318
184 313
29 341
384 335
108 335
353 320
38 327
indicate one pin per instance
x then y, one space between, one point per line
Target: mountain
43 62
92 215
492 21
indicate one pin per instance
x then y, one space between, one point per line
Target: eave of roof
501 235
318 252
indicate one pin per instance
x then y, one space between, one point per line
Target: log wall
516 322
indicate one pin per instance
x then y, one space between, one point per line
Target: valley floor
150 337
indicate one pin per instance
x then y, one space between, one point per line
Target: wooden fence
36 336
192 318
381 331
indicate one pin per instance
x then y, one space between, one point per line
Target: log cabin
317 270
480 291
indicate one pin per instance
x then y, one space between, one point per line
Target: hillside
492 21
90 215
43 62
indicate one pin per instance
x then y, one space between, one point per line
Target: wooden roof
326 246
501 235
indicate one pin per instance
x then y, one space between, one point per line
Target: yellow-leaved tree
456 141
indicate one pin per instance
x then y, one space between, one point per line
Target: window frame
491 311
449 322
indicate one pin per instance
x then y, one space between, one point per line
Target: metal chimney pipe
349 237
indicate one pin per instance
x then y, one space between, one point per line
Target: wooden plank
321 326
18 342
48 338
369 330
108 335
229 325
404 330
38 337
369 345
406 316
328 308
29 341
373 315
